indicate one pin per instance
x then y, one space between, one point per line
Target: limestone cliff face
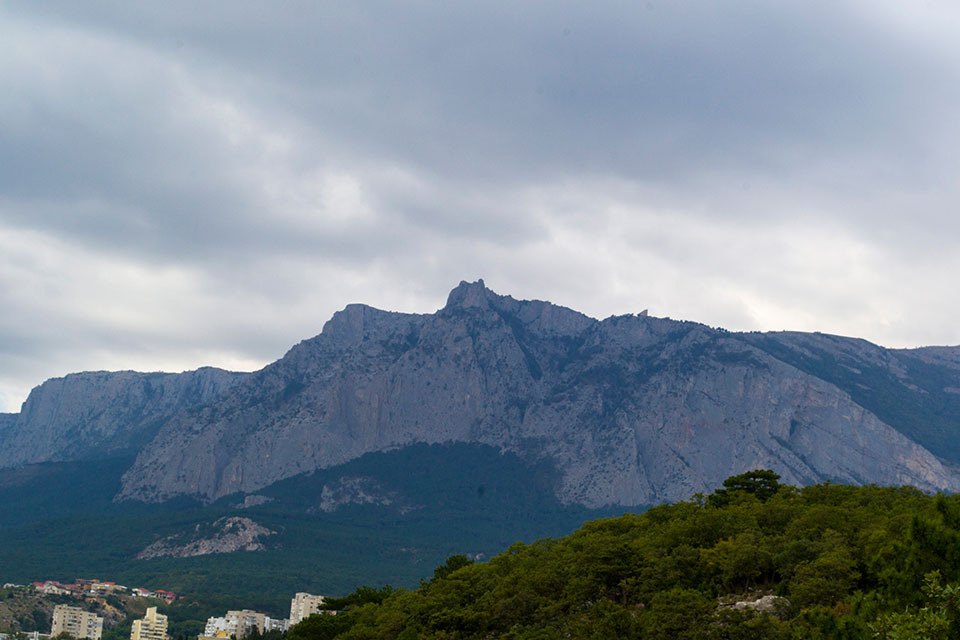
99 414
632 410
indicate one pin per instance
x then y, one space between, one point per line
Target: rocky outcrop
631 410
253 500
769 603
100 414
225 535
361 490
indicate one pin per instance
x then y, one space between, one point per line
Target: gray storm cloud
188 185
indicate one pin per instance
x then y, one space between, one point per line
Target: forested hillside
824 561
385 518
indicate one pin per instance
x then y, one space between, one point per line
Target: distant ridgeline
755 560
390 441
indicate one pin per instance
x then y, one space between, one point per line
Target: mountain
631 410
389 441
98 415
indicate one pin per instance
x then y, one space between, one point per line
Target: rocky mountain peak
357 323
469 294
347 325
537 315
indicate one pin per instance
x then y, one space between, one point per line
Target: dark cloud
190 184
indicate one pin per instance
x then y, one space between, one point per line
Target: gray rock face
633 409
768 603
99 414
225 535
357 490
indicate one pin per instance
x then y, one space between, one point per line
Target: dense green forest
834 561
61 523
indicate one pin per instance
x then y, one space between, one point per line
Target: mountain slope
631 410
762 562
100 414
386 517
917 391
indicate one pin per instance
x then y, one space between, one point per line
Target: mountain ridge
106 413
630 409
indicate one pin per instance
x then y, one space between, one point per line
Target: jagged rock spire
469 294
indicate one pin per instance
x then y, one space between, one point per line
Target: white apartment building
217 624
241 623
245 620
152 626
303 606
277 624
77 622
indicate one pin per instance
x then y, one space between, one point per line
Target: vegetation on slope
842 561
415 507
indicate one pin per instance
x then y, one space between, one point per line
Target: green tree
320 627
741 561
762 483
677 614
452 564
361 596
828 578
938 618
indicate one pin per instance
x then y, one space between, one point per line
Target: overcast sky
184 184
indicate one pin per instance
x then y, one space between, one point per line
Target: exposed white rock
768 603
225 535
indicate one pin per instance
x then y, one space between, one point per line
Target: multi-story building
239 624
152 626
76 622
215 626
303 606
277 624
217 629
242 622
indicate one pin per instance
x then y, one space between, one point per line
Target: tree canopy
825 561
